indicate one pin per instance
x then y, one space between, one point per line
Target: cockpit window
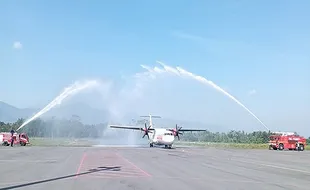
168 134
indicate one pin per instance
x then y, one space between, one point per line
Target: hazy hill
90 115
9 113
86 113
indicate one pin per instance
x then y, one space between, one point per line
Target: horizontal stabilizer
153 116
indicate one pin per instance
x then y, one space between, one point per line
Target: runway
143 168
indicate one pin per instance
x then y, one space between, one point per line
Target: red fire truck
286 140
6 138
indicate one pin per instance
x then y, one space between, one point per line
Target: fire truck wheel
270 147
281 146
301 147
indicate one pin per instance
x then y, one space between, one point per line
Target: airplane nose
171 139
168 139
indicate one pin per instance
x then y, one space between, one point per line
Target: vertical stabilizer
150 119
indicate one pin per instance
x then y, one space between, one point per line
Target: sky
258 51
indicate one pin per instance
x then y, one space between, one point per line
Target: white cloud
17 45
183 35
252 92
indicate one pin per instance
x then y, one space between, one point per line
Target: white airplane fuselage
161 136
157 136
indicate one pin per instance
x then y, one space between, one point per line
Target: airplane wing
125 127
129 127
179 130
145 129
184 130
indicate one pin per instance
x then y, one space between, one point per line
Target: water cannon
283 133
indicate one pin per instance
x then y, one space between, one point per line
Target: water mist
178 71
67 92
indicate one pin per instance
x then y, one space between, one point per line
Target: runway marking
274 166
80 165
115 175
105 177
178 178
149 175
107 164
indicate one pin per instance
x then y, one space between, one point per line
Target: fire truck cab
6 138
286 140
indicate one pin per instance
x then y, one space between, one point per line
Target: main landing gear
166 146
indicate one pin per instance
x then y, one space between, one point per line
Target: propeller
176 131
146 131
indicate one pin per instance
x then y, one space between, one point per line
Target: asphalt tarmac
144 168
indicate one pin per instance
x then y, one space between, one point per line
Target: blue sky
244 46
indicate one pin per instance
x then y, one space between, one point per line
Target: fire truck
6 138
286 140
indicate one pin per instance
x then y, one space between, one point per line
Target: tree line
55 128
256 137
74 128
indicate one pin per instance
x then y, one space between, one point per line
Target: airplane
158 136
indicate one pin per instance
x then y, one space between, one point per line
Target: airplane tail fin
150 118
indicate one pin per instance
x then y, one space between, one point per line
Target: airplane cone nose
168 138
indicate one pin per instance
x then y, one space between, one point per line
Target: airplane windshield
168 134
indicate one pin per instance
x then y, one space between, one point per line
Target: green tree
74 128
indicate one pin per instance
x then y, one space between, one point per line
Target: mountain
90 115
86 113
9 113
